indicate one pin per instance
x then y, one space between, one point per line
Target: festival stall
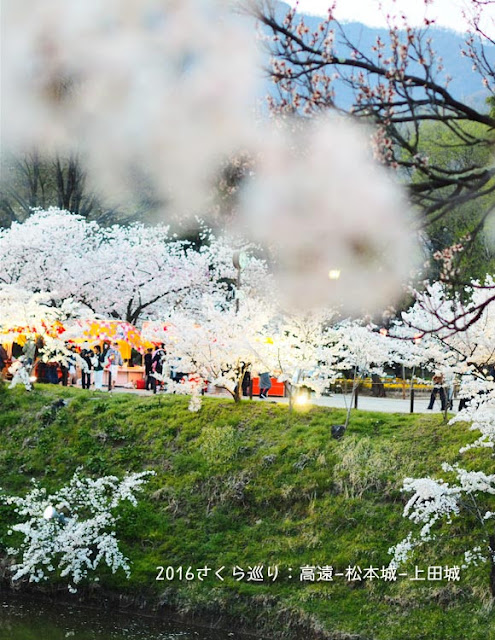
12 337
93 332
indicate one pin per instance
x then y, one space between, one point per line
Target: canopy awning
98 331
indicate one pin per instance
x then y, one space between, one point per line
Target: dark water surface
23 618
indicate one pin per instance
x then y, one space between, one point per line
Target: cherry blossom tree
436 502
362 349
466 493
464 324
298 350
125 272
216 344
416 351
469 352
34 316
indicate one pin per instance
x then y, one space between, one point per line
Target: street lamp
50 513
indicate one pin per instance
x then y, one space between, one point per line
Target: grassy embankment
252 484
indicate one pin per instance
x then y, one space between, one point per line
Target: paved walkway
385 405
339 401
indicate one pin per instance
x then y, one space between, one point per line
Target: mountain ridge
465 85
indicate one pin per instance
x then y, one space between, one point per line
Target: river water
24 618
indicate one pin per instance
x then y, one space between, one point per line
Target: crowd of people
84 365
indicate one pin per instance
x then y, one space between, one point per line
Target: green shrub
218 444
366 464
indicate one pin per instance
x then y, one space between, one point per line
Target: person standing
148 361
64 368
52 372
71 366
98 361
113 360
449 388
3 359
438 389
157 366
86 366
465 392
265 384
29 351
246 381
106 347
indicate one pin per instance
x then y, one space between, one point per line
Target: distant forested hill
465 84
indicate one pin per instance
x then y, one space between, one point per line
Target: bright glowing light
49 513
334 274
301 400
32 379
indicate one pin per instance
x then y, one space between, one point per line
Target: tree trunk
238 390
354 386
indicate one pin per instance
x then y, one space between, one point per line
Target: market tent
97 331
19 335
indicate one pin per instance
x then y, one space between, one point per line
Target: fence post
356 390
411 407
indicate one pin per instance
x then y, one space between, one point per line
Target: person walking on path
64 368
265 384
437 390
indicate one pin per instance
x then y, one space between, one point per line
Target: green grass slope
252 484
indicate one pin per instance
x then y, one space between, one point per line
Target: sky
448 13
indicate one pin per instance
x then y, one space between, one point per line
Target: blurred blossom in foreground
160 88
162 92
340 230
